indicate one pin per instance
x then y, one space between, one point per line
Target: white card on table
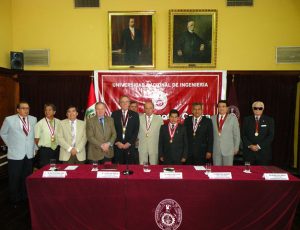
108 174
220 175
199 167
276 176
71 167
170 175
54 174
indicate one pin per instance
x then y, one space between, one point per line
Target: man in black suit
127 127
200 136
173 144
258 134
131 43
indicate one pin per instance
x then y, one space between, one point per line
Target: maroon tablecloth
81 201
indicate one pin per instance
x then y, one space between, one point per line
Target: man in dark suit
131 43
127 125
258 134
173 144
200 136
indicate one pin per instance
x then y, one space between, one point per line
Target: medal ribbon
172 131
51 129
221 123
195 125
148 122
25 126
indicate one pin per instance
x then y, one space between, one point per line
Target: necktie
195 120
101 122
24 129
221 122
256 125
172 127
73 133
53 143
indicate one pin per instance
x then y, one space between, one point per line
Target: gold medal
256 134
52 138
171 141
147 135
194 134
124 129
219 134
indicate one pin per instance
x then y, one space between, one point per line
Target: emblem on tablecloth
168 214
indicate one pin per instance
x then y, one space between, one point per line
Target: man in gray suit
17 132
226 135
149 135
101 135
71 137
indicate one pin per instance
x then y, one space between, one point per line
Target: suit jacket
173 152
129 45
229 140
149 144
202 142
132 128
64 139
97 135
264 139
16 140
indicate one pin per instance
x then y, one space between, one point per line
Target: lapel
17 125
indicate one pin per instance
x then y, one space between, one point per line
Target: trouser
73 160
105 159
18 170
220 160
46 154
152 158
124 156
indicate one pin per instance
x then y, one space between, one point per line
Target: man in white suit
226 135
17 132
149 135
71 136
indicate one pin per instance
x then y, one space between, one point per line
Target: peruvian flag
90 108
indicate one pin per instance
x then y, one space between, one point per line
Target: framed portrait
192 38
131 40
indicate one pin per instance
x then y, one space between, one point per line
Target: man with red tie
127 125
226 135
258 134
173 143
17 132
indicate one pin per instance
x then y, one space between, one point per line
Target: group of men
130 137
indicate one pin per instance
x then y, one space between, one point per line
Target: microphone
127 171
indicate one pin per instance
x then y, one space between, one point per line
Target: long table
144 201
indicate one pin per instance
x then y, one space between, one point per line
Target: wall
5 32
78 38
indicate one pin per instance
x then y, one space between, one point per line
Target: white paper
170 175
220 175
54 174
108 174
276 176
71 167
199 167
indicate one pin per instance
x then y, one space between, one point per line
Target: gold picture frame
131 48
192 38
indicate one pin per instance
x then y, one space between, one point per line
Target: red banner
166 89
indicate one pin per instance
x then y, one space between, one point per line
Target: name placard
170 175
202 168
220 175
71 167
276 176
54 174
108 174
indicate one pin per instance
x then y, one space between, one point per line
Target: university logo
168 214
160 100
234 110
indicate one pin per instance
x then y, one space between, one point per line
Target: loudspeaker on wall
16 60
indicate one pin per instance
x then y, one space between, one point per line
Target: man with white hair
257 135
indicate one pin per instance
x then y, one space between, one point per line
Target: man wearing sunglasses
257 135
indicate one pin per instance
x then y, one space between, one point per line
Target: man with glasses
257 135
17 132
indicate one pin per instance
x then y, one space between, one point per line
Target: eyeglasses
25 108
258 108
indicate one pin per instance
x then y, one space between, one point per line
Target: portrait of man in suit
17 132
226 135
173 143
131 39
101 135
200 136
127 127
150 124
257 135
71 136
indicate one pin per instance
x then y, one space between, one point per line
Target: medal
219 134
26 127
124 121
194 134
221 123
256 127
148 124
51 129
171 141
256 134
147 135
172 131
52 138
196 124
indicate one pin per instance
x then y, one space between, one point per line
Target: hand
127 145
202 47
208 155
179 53
161 159
253 148
105 147
183 160
119 145
235 152
73 151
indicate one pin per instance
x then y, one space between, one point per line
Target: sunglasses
258 108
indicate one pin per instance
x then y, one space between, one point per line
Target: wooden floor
19 218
